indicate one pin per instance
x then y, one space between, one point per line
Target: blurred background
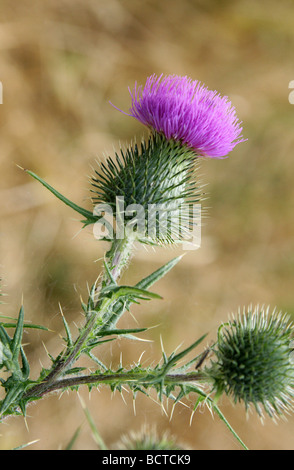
61 64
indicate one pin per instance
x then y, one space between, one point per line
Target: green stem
116 259
136 378
122 377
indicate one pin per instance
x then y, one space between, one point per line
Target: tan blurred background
61 64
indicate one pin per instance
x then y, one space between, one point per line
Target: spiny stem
137 378
117 258
70 354
42 389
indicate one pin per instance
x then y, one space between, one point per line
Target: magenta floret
186 111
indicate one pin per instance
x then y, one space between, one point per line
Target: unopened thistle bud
148 439
253 361
187 121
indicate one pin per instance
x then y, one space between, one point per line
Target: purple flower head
186 111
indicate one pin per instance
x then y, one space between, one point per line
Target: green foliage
14 361
252 355
89 218
169 378
11 350
102 315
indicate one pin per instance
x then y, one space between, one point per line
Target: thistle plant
148 193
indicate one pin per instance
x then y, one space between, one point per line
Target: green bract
253 361
156 182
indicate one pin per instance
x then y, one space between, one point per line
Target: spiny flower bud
253 361
147 439
186 121
157 182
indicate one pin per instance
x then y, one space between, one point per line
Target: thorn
125 389
45 349
59 398
120 360
83 404
30 443
141 355
18 166
211 410
123 398
77 233
172 412
60 308
179 346
133 317
191 417
26 423
161 344
163 409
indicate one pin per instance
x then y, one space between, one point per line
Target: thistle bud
148 439
253 361
150 188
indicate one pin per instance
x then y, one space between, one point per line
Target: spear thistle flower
187 121
186 111
254 362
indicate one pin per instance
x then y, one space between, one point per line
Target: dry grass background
61 64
